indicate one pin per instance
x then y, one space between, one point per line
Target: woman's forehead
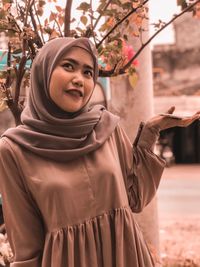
80 55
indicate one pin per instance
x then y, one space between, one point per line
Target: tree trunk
133 106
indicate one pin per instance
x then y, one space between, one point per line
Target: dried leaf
61 20
58 8
54 34
84 20
46 22
84 6
52 16
133 79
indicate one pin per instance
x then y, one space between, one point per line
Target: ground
180 243
179 212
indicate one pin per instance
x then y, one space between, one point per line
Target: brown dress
79 213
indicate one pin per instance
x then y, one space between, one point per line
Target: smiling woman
70 179
72 81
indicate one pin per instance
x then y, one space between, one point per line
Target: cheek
52 86
89 87
55 83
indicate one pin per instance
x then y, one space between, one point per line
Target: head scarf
49 131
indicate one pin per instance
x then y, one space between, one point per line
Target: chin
72 110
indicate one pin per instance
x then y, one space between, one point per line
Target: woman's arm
23 222
142 169
143 181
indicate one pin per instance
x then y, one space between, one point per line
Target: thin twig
39 38
59 29
17 26
100 15
90 31
120 22
27 7
39 22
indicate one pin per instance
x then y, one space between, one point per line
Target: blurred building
177 82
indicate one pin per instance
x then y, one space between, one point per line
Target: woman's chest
80 188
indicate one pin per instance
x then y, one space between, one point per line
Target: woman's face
71 83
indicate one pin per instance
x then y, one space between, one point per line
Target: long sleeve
142 169
22 218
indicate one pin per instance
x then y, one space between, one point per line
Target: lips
74 92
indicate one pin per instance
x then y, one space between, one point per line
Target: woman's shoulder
5 144
120 134
7 147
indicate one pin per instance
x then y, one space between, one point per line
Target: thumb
170 110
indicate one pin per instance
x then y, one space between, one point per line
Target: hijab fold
47 130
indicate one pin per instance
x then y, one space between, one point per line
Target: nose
78 80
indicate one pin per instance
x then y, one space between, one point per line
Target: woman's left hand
162 122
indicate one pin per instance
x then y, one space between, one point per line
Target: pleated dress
80 213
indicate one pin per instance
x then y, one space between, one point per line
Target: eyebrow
78 63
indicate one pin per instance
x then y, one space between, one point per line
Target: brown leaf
58 8
61 20
84 20
52 16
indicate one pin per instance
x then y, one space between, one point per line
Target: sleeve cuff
146 136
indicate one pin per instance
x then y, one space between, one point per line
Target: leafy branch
123 70
120 22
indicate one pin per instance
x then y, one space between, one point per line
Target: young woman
70 178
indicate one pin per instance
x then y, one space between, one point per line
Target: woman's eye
68 66
89 73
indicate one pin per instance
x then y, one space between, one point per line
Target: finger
186 122
196 116
171 110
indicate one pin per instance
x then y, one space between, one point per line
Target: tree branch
40 41
67 18
20 74
90 30
100 15
39 22
14 108
120 22
103 73
155 34
27 7
59 29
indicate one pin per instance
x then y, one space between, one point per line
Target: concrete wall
187 31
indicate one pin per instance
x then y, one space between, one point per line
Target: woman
70 178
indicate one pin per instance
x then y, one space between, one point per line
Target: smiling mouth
74 92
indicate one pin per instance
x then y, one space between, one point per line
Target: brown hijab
47 130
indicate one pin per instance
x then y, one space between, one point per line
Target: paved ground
179 191
179 216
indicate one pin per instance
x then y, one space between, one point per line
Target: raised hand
168 120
